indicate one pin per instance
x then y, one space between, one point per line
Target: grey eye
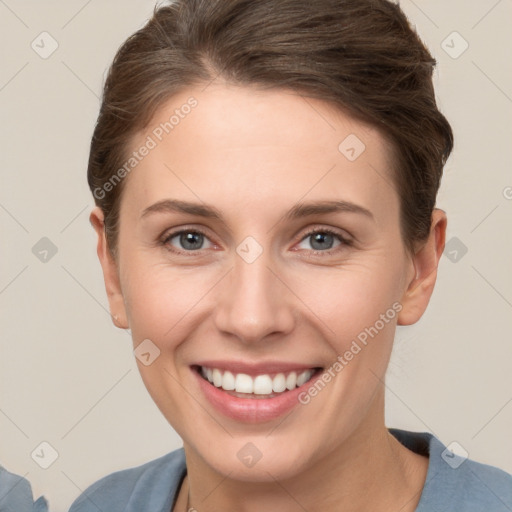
321 240
188 240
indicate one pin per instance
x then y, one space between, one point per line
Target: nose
254 302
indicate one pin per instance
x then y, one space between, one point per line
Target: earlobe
426 261
110 272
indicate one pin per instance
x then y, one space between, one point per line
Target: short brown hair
359 55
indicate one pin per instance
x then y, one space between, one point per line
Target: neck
370 470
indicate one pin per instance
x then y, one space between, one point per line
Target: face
254 240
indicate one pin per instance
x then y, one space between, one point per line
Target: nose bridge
254 302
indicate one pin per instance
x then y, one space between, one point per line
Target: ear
110 271
425 261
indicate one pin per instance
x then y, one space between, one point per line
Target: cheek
159 300
349 298
164 305
356 309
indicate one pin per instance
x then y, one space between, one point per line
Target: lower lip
252 410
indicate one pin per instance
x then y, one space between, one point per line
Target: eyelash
344 241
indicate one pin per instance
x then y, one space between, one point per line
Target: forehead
240 145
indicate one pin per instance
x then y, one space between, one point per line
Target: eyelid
324 229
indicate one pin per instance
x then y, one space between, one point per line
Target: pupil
191 238
321 237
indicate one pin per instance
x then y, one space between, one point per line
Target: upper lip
256 368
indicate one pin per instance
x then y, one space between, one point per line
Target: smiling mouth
266 385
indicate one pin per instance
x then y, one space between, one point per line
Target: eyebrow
298 211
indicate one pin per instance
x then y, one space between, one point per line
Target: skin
254 155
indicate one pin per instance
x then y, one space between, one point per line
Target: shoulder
455 482
150 487
16 494
480 486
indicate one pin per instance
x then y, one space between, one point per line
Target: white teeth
217 377
260 385
243 383
228 381
291 381
279 383
303 377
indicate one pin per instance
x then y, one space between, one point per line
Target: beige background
68 376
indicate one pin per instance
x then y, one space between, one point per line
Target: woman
234 140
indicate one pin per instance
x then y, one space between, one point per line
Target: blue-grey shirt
16 494
453 483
